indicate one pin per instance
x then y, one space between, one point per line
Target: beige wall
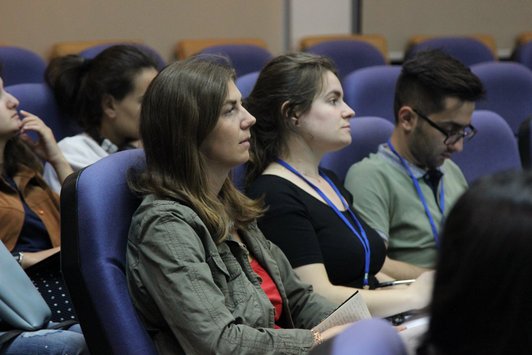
400 19
38 24
317 17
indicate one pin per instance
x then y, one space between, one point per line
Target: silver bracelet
317 337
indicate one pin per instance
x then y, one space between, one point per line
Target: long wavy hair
180 108
17 153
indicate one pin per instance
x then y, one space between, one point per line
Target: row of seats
370 91
350 52
20 65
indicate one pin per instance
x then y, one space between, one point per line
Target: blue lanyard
441 204
362 237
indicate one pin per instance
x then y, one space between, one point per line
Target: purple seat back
493 149
467 50
246 82
523 54
367 133
508 90
349 55
245 58
370 91
96 211
21 65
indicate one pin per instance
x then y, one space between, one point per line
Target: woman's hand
333 331
32 258
45 146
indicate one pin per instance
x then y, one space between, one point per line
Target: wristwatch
18 257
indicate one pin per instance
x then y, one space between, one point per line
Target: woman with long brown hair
201 274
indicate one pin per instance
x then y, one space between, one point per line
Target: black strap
432 178
523 140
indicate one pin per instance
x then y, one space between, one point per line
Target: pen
395 283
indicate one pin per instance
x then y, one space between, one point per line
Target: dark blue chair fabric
524 142
493 149
96 210
349 55
39 99
21 65
365 337
467 50
508 90
523 54
370 91
238 175
245 58
92 52
246 82
367 133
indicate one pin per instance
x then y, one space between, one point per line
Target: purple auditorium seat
467 50
508 90
21 65
370 91
96 211
523 54
245 58
367 133
349 55
365 337
246 82
492 149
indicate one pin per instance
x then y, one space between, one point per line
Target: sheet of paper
416 328
353 309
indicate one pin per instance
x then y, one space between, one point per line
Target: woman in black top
301 115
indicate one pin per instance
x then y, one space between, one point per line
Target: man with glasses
406 188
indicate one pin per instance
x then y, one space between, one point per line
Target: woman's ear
109 106
288 114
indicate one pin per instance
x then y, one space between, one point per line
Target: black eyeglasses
451 137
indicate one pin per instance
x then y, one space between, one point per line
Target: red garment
270 289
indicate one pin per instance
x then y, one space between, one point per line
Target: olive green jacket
197 297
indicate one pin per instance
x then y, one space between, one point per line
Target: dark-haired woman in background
482 300
104 94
